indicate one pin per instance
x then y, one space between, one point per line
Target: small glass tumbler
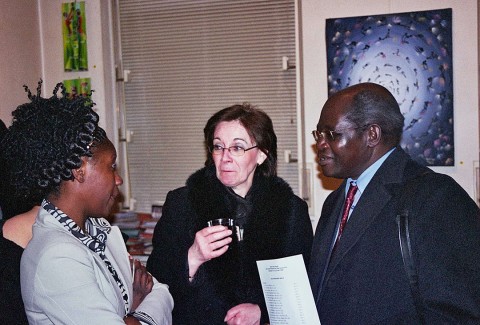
227 222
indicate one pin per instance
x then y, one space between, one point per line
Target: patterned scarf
95 239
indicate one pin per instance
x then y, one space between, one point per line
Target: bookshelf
139 228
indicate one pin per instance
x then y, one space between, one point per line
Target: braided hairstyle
46 141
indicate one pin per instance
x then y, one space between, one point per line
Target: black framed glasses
237 151
332 135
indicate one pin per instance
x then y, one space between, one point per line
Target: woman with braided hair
75 269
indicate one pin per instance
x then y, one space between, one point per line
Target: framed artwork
74 31
411 55
78 87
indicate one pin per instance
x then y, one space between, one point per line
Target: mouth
324 160
114 196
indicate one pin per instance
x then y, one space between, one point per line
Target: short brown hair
258 125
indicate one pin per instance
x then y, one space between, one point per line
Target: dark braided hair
47 139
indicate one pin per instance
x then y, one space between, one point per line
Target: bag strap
405 205
406 249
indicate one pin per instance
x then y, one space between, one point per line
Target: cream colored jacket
64 282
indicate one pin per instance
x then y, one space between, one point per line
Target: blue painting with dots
411 55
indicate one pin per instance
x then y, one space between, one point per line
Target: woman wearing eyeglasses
212 271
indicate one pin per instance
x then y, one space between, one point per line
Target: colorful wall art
411 55
74 30
78 87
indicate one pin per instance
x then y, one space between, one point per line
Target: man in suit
359 278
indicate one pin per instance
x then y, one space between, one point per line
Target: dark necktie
346 209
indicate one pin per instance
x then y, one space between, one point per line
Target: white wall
313 15
19 54
465 75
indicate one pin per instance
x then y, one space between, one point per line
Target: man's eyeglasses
332 135
234 150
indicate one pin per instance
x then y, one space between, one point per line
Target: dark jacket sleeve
300 231
171 240
445 235
297 239
11 307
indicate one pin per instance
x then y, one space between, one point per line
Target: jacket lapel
362 217
374 199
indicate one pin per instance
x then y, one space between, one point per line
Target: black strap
406 249
405 205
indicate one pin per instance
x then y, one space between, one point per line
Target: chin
228 184
326 172
331 174
228 181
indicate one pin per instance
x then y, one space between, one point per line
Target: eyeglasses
332 135
234 150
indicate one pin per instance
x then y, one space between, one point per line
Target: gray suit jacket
64 282
364 281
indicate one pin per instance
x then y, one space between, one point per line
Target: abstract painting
411 55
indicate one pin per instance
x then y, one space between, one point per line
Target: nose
321 144
226 154
118 179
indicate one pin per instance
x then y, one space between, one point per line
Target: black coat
11 304
278 226
365 281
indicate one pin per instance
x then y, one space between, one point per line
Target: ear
261 157
79 173
374 135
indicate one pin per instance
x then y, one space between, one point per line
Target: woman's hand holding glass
210 242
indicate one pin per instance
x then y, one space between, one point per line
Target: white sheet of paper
287 291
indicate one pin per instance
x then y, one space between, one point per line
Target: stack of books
139 228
